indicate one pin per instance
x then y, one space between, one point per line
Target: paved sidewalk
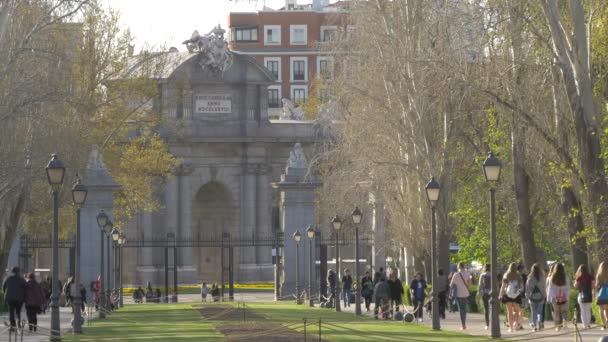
44 322
476 326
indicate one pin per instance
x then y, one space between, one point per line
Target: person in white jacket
558 292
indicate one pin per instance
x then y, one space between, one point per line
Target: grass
181 322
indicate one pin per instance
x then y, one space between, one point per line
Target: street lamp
297 236
491 171
337 224
310 232
102 221
357 216
432 193
55 171
121 241
79 196
108 233
115 236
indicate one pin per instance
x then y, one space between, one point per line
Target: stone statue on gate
290 111
213 50
297 159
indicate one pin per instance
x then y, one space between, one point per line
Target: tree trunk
572 63
570 203
518 144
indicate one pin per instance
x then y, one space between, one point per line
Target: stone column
263 227
379 242
250 216
100 187
297 213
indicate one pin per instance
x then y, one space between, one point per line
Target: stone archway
212 214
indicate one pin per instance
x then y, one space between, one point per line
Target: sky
170 22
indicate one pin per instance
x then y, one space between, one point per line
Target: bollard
319 329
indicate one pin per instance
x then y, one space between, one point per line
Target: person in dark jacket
367 289
417 287
34 299
396 290
382 295
379 275
14 294
347 284
331 281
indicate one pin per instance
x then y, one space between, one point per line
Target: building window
272 35
325 68
298 34
273 64
299 94
328 33
274 97
245 34
299 68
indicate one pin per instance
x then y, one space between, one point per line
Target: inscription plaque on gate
213 103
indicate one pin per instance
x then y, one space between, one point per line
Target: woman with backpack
510 294
558 293
583 282
601 286
535 292
485 287
460 283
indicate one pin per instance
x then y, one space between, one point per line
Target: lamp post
357 216
108 234
79 195
115 236
102 220
55 171
491 171
432 193
121 241
297 236
337 224
310 232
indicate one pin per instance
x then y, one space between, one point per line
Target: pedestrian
331 280
158 295
46 289
381 296
34 299
367 289
461 281
138 295
535 293
558 293
83 296
485 288
67 291
601 287
584 283
396 291
347 284
442 288
204 291
215 292
510 294
523 303
417 292
14 294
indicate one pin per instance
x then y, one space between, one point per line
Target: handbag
453 291
602 296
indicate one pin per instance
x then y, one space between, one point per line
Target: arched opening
213 214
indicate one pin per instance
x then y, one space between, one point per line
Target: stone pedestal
101 187
297 213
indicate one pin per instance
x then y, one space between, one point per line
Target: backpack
536 296
560 298
512 289
487 287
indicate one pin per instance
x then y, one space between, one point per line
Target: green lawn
181 322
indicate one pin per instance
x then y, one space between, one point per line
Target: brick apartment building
288 42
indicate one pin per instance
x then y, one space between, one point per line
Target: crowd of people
522 294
